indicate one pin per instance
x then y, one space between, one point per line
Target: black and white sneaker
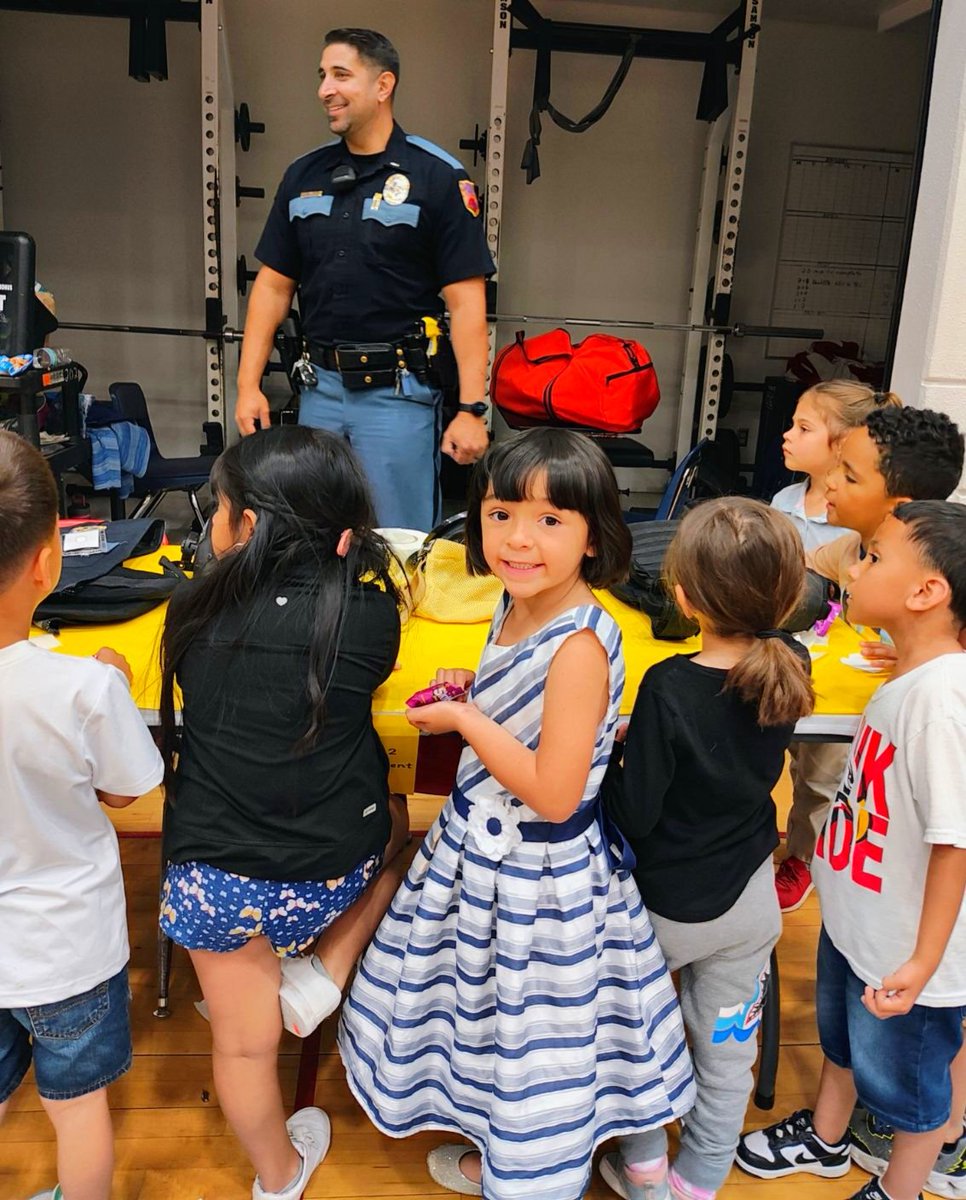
790 1147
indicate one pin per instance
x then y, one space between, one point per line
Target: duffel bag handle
546 346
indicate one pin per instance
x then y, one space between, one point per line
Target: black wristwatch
479 408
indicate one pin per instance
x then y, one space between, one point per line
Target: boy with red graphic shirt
896 454
890 868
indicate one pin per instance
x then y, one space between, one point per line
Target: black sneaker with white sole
873 1191
791 1147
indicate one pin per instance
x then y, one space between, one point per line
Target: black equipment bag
97 589
814 605
646 587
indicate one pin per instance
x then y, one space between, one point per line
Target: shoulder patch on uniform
471 198
436 151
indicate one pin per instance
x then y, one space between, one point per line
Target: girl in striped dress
514 993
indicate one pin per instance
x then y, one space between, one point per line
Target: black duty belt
372 364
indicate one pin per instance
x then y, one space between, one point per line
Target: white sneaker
311 1134
307 995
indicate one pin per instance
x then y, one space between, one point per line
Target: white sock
650 1170
319 965
843 1141
296 1178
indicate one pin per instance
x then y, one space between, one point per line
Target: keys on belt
305 373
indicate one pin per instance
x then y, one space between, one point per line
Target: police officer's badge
395 189
471 198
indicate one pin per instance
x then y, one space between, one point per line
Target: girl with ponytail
705 747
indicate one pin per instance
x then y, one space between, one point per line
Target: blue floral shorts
205 908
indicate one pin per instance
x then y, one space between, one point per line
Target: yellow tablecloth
841 691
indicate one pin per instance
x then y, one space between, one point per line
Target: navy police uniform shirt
371 260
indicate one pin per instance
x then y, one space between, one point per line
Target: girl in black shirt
277 801
705 747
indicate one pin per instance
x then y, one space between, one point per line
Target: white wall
822 85
105 173
930 363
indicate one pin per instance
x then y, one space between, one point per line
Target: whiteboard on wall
843 229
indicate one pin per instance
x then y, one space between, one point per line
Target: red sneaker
793 882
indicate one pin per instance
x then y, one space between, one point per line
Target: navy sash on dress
619 853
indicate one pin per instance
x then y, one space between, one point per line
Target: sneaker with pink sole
308 994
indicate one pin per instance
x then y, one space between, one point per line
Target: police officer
370 229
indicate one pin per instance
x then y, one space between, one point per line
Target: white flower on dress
494 825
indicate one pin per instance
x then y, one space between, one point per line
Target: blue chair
680 486
188 475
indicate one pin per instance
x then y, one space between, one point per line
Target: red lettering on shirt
855 832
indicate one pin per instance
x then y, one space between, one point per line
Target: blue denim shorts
900 1065
205 908
77 1046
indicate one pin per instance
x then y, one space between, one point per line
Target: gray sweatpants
723 968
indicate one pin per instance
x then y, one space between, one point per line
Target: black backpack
97 589
646 588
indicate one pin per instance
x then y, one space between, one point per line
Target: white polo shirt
814 531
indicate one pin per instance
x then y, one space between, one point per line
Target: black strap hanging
541 99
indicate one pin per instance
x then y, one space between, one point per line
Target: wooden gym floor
173 1143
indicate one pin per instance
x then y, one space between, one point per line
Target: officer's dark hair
938 530
28 504
372 47
920 452
305 487
579 478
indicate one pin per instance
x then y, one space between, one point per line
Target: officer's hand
465 438
252 406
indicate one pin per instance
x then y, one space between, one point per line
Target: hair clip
344 542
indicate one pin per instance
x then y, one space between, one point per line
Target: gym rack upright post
218 208
735 42
732 170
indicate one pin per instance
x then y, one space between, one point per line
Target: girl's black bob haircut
578 478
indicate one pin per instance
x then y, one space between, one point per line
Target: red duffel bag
604 382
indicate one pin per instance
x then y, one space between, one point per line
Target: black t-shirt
694 794
371 260
245 801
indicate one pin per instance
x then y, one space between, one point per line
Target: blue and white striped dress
521 1000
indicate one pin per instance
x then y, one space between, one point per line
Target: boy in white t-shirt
72 739
890 868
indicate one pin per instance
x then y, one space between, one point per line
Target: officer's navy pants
394 435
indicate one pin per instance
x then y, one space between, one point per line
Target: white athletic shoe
311 1134
307 995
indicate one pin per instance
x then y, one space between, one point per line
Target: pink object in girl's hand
434 693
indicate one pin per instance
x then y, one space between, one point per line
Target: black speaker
17 264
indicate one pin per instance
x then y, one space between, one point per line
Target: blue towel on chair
118 453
